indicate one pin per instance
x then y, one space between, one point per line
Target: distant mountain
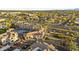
76 9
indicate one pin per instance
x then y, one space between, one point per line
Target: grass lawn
2 31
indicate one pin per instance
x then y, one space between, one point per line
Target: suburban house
43 47
77 21
2 23
10 36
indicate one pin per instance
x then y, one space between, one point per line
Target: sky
38 4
